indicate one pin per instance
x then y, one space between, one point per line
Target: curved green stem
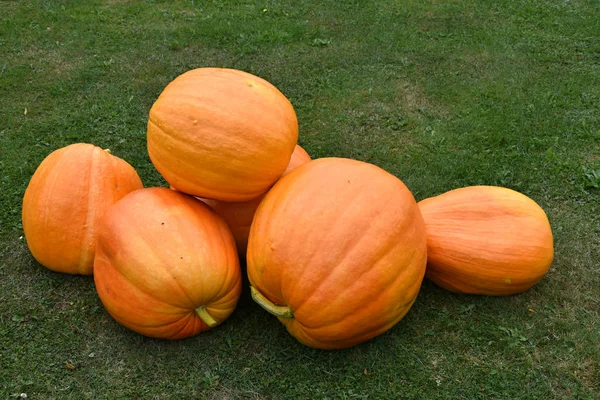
206 317
278 311
108 151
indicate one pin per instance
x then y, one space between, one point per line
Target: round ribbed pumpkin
221 134
66 197
337 251
166 265
239 215
486 240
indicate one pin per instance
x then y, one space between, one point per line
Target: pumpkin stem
206 317
278 311
108 151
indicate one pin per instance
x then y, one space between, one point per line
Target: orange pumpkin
299 157
486 240
221 134
166 265
68 194
239 215
337 251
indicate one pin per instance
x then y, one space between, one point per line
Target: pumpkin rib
189 139
223 301
190 318
190 163
178 320
90 213
172 318
216 115
359 337
148 292
218 73
386 288
174 322
167 272
145 291
236 282
383 292
227 279
381 329
344 254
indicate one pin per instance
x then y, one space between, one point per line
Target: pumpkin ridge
362 336
348 253
90 214
155 326
190 319
185 160
386 288
170 133
222 302
211 114
148 292
344 255
218 295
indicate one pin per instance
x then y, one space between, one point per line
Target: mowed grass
442 94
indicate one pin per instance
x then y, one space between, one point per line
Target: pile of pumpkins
335 248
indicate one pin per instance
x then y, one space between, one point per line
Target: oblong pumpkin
239 215
166 265
486 240
337 251
66 197
221 134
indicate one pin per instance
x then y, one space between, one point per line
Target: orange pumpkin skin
221 134
164 261
299 157
68 194
486 240
239 215
341 245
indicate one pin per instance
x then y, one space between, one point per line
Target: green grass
442 94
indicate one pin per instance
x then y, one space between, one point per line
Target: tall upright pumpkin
221 134
66 197
337 251
486 240
166 265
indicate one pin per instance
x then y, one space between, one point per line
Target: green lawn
442 94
